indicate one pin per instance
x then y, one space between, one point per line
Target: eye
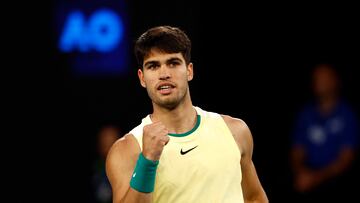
174 63
152 66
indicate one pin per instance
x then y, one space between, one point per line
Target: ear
141 77
190 72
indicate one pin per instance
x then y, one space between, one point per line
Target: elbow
258 199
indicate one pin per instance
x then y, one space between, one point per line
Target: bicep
251 185
120 165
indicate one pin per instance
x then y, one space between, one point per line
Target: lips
165 87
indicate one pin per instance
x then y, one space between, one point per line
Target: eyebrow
151 63
167 61
173 59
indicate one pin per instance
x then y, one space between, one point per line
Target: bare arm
120 164
123 157
343 162
252 189
298 159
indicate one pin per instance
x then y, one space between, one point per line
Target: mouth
165 88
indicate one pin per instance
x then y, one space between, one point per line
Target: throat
178 120
187 131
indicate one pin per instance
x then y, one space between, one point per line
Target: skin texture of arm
120 164
252 189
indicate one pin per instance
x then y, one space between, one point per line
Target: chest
327 130
209 154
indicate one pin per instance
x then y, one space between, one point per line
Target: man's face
325 81
165 77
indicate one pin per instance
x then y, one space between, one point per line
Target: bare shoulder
237 126
240 131
122 155
126 141
120 163
123 147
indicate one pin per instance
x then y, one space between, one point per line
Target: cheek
148 80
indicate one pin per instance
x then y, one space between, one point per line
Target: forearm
259 199
142 182
298 160
133 196
338 166
252 189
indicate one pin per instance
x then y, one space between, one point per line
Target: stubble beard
171 102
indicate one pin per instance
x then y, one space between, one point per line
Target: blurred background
78 75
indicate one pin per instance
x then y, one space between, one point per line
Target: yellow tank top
200 166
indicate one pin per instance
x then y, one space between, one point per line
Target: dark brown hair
165 39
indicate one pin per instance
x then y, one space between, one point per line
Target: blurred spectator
106 136
324 141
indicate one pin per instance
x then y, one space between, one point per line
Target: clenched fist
155 137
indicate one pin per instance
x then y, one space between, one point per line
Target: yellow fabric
209 173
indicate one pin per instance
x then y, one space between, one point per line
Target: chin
169 104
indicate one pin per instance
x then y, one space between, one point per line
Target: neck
180 119
327 104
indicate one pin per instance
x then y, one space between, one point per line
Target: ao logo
102 32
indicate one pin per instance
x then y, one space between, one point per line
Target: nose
164 72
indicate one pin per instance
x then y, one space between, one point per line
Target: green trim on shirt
198 118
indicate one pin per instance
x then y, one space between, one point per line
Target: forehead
155 55
324 71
